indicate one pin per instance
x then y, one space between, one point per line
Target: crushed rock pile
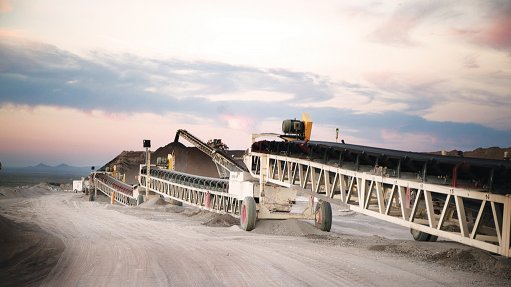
458 258
154 202
26 191
222 220
66 186
487 153
187 159
289 227
127 162
195 212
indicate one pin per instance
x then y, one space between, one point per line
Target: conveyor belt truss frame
390 199
214 201
119 196
224 164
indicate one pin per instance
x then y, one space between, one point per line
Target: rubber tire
422 236
323 216
248 214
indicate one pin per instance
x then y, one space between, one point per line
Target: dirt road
121 246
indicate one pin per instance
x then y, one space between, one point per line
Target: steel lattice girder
104 184
482 220
184 190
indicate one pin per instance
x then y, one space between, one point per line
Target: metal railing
203 192
123 193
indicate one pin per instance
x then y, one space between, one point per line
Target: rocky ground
49 237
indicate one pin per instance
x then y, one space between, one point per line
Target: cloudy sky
81 81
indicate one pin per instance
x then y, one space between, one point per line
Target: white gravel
122 246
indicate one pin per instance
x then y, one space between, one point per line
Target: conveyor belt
208 183
123 193
483 174
203 192
224 163
461 213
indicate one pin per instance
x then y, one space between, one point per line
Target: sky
81 81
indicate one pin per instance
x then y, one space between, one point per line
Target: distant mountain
62 173
41 168
41 165
60 166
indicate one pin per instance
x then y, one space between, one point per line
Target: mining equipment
463 199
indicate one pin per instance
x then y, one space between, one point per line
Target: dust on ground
289 227
222 220
215 233
449 254
27 253
456 258
27 190
445 253
154 202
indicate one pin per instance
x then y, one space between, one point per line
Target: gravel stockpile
222 220
289 227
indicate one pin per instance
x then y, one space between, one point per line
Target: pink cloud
54 135
397 30
470 62
380 79
495 34
399 27
498 34
407 84
464 32
237 122
5 6
9 34
359 12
